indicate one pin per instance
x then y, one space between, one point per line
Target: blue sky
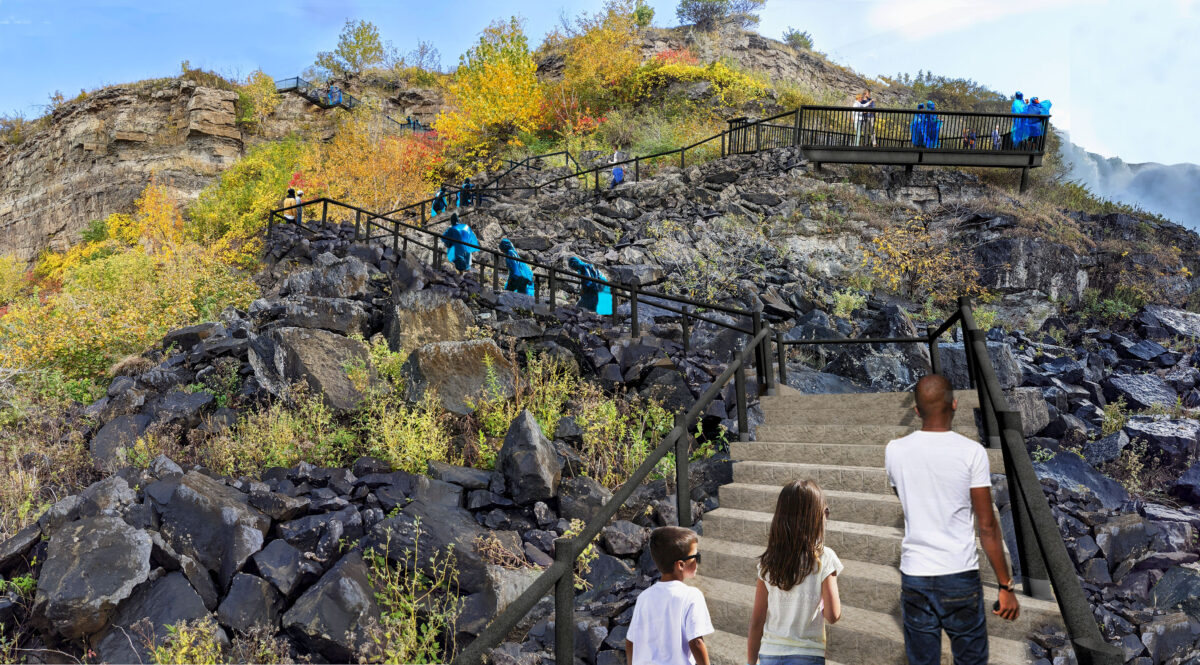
1103 63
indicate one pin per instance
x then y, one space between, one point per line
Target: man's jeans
950 602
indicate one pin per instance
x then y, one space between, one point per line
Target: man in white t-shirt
944 485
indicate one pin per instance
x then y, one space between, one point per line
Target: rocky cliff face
98 154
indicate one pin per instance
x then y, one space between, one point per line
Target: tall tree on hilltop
358 48
708 14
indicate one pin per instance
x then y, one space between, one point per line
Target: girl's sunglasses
695 556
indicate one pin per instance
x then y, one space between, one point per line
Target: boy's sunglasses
695 556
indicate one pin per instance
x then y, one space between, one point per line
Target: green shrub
187 642
797 39
1116 414
845 302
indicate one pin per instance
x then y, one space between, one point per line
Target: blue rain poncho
595 297
464 194
439 202
520 277
933 128
917 127
618 176
1035 128
1020 130
454 237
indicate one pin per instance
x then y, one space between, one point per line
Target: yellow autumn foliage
602 55
912 259
729 87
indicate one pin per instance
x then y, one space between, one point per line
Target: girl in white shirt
797 582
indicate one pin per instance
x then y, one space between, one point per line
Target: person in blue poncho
520 277
917 127
454 237
1035 129
1019 125
618 177
465 193
594 297
439 201
933 128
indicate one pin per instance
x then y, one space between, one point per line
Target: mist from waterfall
1172 191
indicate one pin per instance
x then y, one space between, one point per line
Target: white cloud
918 19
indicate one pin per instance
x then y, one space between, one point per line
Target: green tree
643 14
708 14
797 39
359 47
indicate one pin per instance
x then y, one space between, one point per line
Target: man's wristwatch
1011 587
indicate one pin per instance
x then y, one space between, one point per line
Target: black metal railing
910 129
1046 568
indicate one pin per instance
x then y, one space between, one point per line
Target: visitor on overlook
944 483
865 126
797 590
670 619
1018 124
933 128
593 296
299 211
996 141
917 127
458 253
969 137
439 202
1035 129
289 201
520 277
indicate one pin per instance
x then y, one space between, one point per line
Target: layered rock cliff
97 155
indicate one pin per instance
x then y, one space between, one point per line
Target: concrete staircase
837 440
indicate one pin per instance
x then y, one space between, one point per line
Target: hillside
233 443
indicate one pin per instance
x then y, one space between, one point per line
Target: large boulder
1179 588
1032 407
1141 391
91 566
348 277
1015 264
324 360
122 432
435 529
1070 471
331 618
1176 321
1122 537
527 460
1176 439
169 601
954 365
424 317
459 373
251 603
501 588
213 523
1187 486
581 498
339 315
884 366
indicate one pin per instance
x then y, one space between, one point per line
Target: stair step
904 400
854 434
880 509
868 480
861 637
729 649
865 585
797 414
852 541
840 454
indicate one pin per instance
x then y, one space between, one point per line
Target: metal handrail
561 574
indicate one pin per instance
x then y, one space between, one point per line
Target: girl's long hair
797 538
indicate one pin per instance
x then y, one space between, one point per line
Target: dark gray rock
337 315
1179 589
1187 486
1106 449
1178 322
1072 472
1175 439
116 435
465 477
280 507
1015 264
168 601
528 462
1167 636
282 565
623 538
251 603
332 616
502 586
106 497
954 365
92 565
441 527
581 498
282 357
183 339
1067 369
458 373
1141 391
811 382
215 523
15 549
426 317
1146 350
341 278
1122 537
181 408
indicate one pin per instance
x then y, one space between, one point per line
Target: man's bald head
934 396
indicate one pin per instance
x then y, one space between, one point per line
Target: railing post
597 178
552 286
682 158
759 364
564 602
683 493
687 334
495 273
757 136
796 133
722 144
768 375
396 238
634 323
324 212
357 223
270 221
537 288
781 351
422 214
739 390
616 297
637 169
935 359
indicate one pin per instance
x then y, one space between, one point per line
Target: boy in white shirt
670 619
944 485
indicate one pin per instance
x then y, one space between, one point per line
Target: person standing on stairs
520 277
945 488
593 296
797 582
454 237
288 202
670 619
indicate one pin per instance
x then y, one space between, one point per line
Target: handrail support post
683 493
634 324
564 602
